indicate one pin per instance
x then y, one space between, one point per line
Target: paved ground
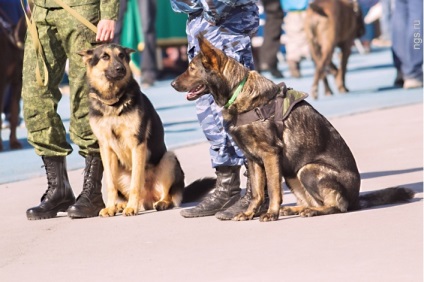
379 244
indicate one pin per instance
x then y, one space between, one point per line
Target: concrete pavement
379 244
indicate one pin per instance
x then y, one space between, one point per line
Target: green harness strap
236 93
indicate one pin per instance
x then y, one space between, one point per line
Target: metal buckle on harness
259 114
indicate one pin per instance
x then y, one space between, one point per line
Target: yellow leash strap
37 45
77 16
38 50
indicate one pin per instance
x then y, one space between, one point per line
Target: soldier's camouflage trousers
61 37
234 37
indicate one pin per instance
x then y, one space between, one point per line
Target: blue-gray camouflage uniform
229 26
61 37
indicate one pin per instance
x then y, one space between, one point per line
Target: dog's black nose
173 83
120 69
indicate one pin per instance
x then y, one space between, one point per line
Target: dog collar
234 97
109 102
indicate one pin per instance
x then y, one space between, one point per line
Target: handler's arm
108 16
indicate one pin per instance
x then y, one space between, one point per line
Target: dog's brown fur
330 24
131 137
313 158
11 60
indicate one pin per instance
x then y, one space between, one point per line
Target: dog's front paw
120 206
268 217
314 93
243 216
343 89
328 92
130 211
107 212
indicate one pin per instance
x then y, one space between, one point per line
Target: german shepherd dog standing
303 147
330 24
136 162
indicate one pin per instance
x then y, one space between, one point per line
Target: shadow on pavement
375 174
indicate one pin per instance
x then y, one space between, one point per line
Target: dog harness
278 108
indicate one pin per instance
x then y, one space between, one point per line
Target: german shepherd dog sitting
136 162
302 146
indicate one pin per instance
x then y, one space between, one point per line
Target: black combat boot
58 196
90 201
226 193
242 204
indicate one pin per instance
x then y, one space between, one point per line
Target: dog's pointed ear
86 55
212 58
129 50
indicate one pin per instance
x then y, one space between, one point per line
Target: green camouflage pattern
291 98
61 37
108 8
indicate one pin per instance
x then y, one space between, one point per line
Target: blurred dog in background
330 24
11 59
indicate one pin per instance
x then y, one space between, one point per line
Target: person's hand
105 30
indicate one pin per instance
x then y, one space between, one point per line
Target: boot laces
51 180
88 185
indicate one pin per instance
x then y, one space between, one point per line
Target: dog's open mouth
196 92
117 77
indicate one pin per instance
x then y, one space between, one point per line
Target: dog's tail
385 196
198 189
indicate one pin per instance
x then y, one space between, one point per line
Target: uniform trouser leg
272 33
226 157
223 150
46 132
149 67
61 37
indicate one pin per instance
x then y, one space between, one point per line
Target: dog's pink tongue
190 96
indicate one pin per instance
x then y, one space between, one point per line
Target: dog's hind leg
332 69
333 203
168 173
304 199
344 56
322 64
16 89
318 192
327 89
